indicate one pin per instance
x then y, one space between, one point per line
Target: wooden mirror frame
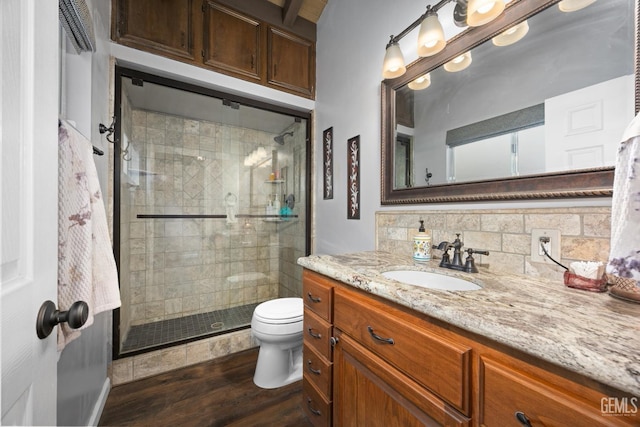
596 182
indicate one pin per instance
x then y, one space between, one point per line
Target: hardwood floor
216 393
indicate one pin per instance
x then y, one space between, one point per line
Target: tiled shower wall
186 266
505 233
292 242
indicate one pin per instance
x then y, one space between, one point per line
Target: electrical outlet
550 239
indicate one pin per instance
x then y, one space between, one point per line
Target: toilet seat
280 311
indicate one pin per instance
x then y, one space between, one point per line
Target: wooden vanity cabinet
163 27
415 372
317 355
438 364
368 391
244 55
213 35
291 62
511 392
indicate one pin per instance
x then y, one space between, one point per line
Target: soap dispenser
421 245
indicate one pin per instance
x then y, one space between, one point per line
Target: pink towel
86 266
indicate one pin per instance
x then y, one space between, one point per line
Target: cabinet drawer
317 294
317 408
318 370
317 334
504 391
433 361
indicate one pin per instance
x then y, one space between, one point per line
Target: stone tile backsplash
506 234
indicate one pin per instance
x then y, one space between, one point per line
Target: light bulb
421 82
512 35
480 12
574 5
431 37
393 65
458 63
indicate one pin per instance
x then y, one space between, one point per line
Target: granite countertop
590 333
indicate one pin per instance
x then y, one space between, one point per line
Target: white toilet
277 325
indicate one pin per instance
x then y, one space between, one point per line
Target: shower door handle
49 316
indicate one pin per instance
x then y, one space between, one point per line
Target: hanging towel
624 258
86 266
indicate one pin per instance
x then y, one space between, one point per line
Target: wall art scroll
327 155
353 181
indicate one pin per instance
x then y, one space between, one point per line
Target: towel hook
108 130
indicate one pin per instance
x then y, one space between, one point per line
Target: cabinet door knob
49 317
522 418
379 338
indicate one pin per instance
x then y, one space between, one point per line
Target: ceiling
307 9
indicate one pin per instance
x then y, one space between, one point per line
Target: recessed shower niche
211 209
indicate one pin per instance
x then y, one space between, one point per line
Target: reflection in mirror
511 140
578 66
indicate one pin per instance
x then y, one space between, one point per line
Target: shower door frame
126 72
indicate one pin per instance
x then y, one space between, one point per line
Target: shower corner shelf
274 181
143 172
281 220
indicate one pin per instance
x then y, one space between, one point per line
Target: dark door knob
49 317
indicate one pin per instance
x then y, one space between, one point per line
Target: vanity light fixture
458 63
573 5
480 12
512 35
393 61
431 39
421 82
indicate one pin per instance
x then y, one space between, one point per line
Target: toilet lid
281 310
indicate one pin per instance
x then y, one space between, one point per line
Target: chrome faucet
456 264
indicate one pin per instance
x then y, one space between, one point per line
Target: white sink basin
431 280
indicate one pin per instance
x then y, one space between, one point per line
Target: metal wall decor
327 155
353 181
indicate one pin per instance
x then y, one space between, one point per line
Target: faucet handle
472 251
470 264
442 246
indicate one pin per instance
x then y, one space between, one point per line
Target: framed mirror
539 118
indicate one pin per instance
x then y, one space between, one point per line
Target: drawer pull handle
313 371
313 334
522 418
312 298
379 338
313 411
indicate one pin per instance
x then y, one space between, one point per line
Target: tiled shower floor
168 331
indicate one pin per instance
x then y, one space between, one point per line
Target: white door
28 207
583 127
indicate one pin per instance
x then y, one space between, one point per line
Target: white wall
169 68
350 49
82 368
